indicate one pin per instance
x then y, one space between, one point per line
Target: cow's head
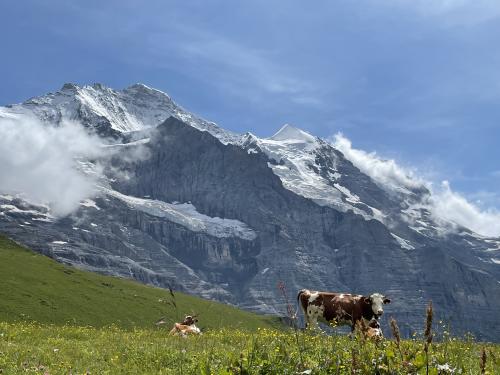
377 301
189 320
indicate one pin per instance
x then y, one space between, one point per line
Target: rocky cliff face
227 217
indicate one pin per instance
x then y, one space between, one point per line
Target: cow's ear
368 300
386 300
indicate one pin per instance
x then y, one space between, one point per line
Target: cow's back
342 308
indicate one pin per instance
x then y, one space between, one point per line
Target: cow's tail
298 302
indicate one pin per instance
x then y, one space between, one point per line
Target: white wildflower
446 368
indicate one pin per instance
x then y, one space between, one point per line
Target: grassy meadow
55 319
36 288
29 348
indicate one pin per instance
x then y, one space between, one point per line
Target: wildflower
446 368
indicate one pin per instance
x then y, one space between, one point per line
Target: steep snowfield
134 108
294 153
186 215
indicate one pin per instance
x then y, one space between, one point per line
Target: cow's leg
352 333
309 319
313 322
313 313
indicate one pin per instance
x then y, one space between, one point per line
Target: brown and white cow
340 308
186 327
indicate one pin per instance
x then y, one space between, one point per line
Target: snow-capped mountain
110 112
226 216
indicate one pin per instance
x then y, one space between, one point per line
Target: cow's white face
377 301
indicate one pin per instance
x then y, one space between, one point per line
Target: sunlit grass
34 287
38 349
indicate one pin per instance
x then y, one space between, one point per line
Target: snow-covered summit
291 133
97 106
295 159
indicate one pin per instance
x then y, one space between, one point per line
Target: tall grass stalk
397 336
482 364
354 361
428 335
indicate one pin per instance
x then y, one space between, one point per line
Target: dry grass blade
483 361
428 323
428 334
354 362
395 331
397 336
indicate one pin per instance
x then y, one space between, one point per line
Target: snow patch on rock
405 244
186 215
89 203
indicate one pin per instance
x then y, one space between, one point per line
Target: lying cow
340 308
371 331
187 327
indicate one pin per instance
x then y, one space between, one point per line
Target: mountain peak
139 86
289 132
142 88
98 106
69 86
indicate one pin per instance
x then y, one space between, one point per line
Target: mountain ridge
226 216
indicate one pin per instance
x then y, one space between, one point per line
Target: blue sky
413 80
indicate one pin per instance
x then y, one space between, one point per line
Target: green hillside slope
36 288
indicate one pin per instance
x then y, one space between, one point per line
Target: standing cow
340 308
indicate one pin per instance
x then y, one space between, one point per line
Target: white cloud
443 202
39 161
385 171
454 207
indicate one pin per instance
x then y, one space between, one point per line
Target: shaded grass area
36 288
28 348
